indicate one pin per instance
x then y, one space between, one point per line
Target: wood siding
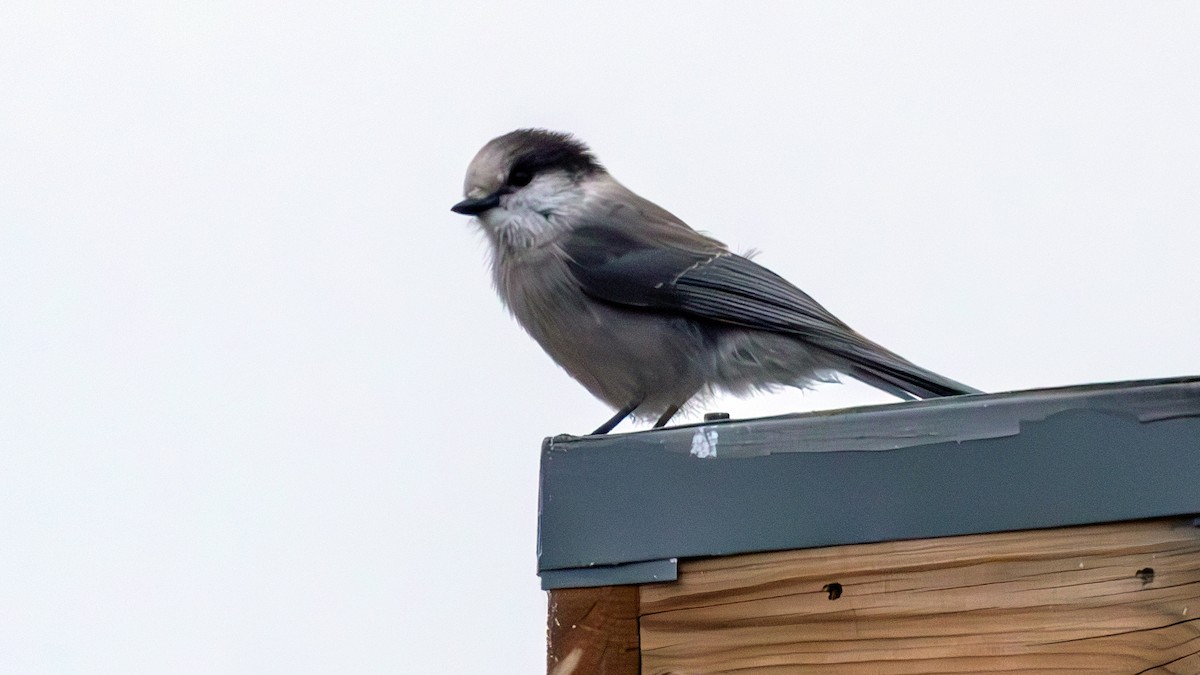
1113 598
592 631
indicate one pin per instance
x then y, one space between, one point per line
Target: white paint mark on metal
704 442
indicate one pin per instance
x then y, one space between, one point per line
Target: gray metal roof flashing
622 508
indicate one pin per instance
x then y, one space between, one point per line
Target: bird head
524 186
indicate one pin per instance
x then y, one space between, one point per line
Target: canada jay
641 309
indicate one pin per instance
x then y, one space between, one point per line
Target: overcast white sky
260 411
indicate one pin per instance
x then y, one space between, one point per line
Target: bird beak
474 207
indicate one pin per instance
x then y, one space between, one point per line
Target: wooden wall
1115 598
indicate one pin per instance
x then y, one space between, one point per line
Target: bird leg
615 420
666 416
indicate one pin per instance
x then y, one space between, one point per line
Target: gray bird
641 309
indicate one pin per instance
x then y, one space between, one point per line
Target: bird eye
520 177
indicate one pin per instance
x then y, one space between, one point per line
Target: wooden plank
593 631
1110 598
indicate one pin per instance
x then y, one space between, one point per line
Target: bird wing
624 267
